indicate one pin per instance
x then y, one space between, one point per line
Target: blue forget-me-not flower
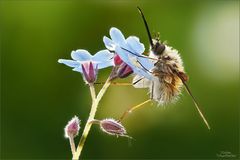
88 64
130 51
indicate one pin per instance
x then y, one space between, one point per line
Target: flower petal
122 54
102 56
109 44
148 64
81 55
105 64
143 73
117 36
132 61
69 63
78 69
134 43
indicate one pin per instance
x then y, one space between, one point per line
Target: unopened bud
117 60
124 70
89 72
72 128
121 71
113 127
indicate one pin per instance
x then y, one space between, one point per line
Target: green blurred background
39 96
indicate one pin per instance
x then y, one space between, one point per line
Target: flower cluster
130 51
124 54
87 64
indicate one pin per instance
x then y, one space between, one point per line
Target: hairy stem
93 92
72 144
88 125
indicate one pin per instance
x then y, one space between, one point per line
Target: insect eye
158 48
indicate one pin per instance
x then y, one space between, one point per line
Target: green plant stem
72 144
93 92
88 125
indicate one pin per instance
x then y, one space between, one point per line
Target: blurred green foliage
39 96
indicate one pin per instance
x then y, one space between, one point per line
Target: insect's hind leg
114 83
152 90
131 109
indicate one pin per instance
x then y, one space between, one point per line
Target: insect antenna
194 100
135 54
144 67
146 25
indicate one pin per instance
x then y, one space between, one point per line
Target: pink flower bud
89 72
121 69
72 128
124 70
112 127
117 60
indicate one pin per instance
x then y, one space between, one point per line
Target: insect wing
141 82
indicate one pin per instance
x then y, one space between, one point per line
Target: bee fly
168 72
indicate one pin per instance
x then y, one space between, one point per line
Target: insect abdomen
167 90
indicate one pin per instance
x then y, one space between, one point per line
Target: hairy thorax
167 85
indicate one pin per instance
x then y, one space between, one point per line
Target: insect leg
137 81
152 90
114 83
131 109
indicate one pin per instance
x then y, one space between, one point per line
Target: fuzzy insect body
166 84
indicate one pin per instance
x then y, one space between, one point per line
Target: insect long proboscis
146 25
